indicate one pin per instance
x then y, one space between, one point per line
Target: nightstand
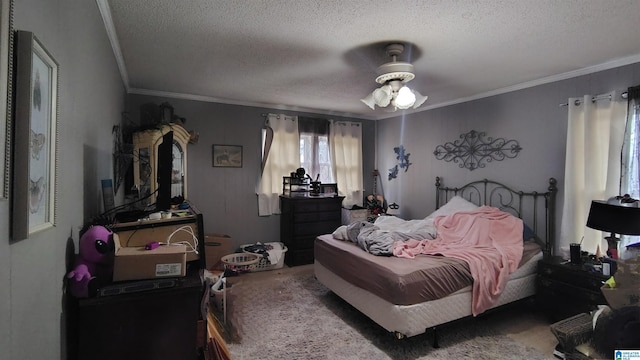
565 289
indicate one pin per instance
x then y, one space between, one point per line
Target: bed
410 296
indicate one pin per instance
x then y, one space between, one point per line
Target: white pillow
455 204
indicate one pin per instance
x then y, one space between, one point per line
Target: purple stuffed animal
94 261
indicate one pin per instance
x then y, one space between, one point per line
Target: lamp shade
616 219
420 99
405 98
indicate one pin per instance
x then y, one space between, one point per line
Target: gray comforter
378 238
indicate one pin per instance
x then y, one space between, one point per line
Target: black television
165 168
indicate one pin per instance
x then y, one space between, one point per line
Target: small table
565 289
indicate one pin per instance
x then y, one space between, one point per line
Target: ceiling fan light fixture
420 99
393 76
405 98
368 100
387 75
383 95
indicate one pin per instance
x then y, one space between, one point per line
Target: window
315 157
630 183
315 154
331 151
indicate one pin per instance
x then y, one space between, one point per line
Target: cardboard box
350 216
144 232
215 247
627 290
137 263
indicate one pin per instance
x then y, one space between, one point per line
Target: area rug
288 314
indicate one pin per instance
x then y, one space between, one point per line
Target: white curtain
282 158
346 155
630 177
592 166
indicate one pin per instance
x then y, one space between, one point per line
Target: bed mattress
402 281
411 320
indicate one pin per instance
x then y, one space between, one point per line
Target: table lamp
623 218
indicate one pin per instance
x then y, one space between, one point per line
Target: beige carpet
287 314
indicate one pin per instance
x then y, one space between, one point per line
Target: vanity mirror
148 160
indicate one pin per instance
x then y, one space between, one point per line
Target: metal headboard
525 205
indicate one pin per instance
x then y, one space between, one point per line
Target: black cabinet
565 289
146 325
303 219
150 319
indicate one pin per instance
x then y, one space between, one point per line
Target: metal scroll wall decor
474 150
403 162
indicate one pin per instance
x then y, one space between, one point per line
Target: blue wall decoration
403 162
393 173
473 150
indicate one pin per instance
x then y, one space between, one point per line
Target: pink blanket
488 239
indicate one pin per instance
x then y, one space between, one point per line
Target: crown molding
212 99
105 12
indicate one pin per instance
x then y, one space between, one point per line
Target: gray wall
226 196
32 318
91 100
531 116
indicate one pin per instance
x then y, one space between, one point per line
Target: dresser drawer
560 300
572 276
568 291
316 205
315 228
299 257
302 242
316 216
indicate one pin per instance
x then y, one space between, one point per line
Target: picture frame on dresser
329 189
6 84
35 137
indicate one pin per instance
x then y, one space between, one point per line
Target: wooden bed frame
536 209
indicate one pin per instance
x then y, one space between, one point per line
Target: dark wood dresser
160 324
147 319
565 289
303 219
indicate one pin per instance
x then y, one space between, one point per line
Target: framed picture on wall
227 156
35 134
6 58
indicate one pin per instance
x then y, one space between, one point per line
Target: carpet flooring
288 314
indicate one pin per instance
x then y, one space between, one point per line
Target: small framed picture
329 189
227 156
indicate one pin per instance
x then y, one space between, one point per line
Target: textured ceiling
321 55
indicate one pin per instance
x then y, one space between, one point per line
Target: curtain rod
596 98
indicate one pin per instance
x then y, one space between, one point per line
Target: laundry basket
277 249
573 331
240 262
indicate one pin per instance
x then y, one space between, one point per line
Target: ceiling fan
393 76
